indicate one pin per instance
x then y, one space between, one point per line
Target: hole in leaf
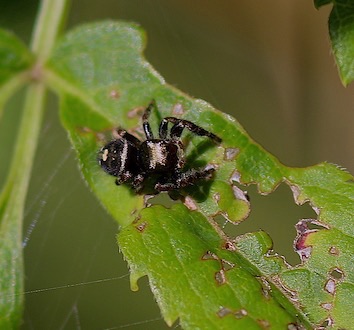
276 214
330 286
336 274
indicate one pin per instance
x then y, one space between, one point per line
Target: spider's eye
110 157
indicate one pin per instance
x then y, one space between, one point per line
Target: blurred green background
267 63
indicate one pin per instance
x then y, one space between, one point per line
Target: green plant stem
48 24
13 196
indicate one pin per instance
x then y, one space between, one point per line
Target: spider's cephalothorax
133 161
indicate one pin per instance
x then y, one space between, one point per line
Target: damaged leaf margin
104 82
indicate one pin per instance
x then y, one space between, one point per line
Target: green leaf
14 56
341 30
196 272
15 59
194 276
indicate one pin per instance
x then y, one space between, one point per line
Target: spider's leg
146 126
131 138
137 182
163 129
181 124
185 179
123 177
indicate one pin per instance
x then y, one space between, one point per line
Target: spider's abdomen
161 155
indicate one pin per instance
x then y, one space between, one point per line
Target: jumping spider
133 161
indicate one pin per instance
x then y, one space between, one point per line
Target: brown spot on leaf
294 326
226 265
141 227
240 313
190 203
231 153
240 194
114 94
330 286
210 256
333 250
220 277
216 197
178 110
230 246
327 306
264 324
136 112
235 177
266 288
223 311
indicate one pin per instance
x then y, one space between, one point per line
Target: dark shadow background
267 63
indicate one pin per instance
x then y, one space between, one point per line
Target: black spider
133 161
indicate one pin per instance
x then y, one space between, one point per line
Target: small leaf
341 30
15 58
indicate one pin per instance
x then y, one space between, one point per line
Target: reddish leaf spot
304 230
230 246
